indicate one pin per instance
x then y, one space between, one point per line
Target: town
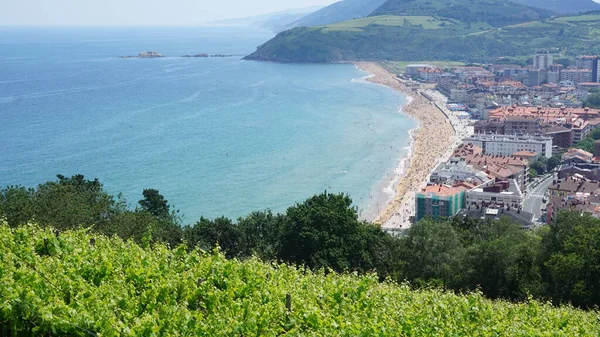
529 144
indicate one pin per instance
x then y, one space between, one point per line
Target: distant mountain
276 22
494 12
563 6
339 11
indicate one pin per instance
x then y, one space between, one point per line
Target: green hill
494 12
76 284
432 37
339 11
562 6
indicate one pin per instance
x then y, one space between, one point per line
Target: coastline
430 143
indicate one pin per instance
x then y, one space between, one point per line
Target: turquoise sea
216 136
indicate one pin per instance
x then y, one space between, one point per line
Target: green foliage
155 203
533 173
587 144
553 163
459 39
571 249
64 286
593 101
539 166
78 202
324 232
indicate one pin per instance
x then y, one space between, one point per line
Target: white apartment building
507 145
542 60
576 75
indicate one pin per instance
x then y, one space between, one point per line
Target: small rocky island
145 55
207 55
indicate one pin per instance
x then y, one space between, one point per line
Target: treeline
559 262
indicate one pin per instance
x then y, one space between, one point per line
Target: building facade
439 201
506 145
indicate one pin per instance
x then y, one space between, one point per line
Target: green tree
222 232
155 203
593 101
533 174
17 205
571 259
324 232
504 263
434 254
553 163
73 202
539 166
262 234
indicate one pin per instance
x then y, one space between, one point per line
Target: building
588 62
412 69
537 77
499 167
498 193
542 60
456 170
429 74
439 201
506 145
576 75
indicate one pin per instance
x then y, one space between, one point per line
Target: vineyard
79 284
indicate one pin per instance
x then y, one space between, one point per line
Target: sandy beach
433 142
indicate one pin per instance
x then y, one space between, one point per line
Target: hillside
76 284
338 11
494 12
414 38
562 6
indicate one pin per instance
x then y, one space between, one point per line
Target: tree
539 166
593 101
504 262
222 232
17 205
571 259
433 253
73 202
262 234
155 203
553 163
533 174
324 232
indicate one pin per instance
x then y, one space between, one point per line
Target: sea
216 136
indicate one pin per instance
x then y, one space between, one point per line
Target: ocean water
216 136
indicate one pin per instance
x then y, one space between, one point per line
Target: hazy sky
138 12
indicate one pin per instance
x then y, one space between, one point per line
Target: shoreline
430 142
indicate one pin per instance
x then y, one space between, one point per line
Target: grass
400 66
427 22
579 18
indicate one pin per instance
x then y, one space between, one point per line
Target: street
533 202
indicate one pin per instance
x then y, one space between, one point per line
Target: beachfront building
506 145
439 201
498 193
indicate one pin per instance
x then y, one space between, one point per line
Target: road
533 202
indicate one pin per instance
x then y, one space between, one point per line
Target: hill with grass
74 283
434 37
496 13
562 6
338 11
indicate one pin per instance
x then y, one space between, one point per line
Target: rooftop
442 190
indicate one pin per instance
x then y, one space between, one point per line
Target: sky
138 12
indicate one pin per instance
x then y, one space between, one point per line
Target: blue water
217 136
